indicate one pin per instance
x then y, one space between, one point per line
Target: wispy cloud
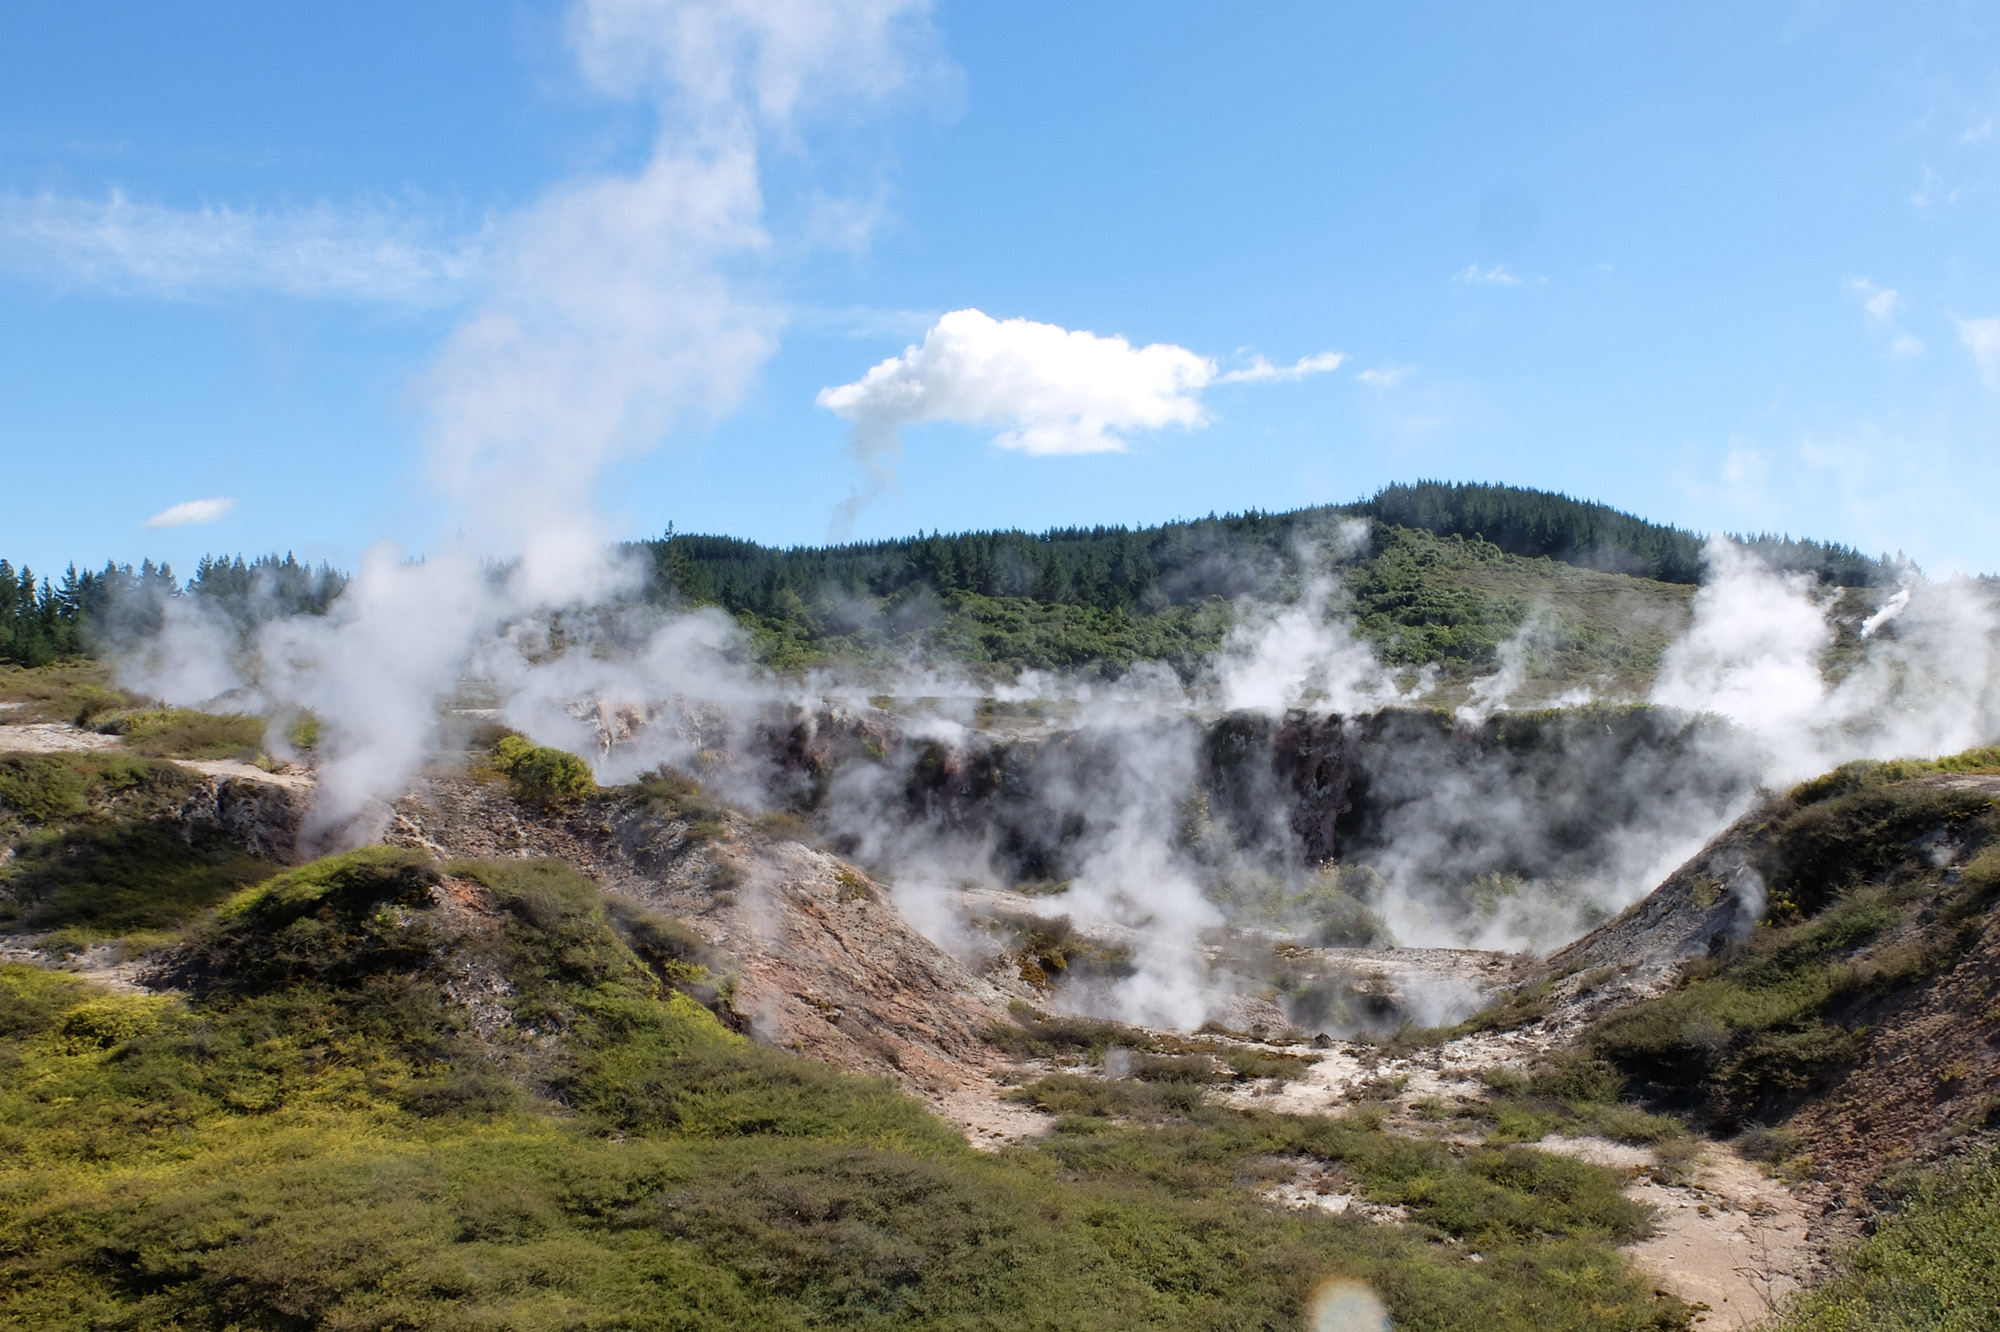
1497 276
1261 371
1879 302
1386 376
862 321
1982 338
142 249
190 512
1882 305
1745 469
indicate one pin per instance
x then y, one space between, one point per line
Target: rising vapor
608 316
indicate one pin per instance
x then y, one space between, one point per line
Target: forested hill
43 619
1179 563
1441 573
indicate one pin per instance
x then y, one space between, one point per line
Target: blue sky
1727 266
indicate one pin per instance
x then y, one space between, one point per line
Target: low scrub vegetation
1569 1092
670 794
1930 1266
71 691
95 853
1172 1135
183 733
320 1134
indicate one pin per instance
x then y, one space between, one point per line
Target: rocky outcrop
263 818
822 960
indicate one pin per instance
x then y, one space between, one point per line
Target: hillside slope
1837 950
400 1088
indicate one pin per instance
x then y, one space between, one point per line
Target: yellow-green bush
542 773
97 852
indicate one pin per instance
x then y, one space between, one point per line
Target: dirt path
1732 1238
1729 1237
53 738
63 738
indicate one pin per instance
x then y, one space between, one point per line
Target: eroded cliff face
1584 808
815 955
262 816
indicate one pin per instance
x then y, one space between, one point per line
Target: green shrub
1034 1034
338 920
98 853
1252 1065
102 1023
42 788
1930 1266
672 949
102 881
543 774
1862 834
303 732
671 794
31 999
1860 912
1577 1078
77 692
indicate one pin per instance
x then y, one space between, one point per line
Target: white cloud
1882 304
1049 390
319 253
1494 276
1744 470
190 512
1386 376
1982 338
1052 390
1879 302
1261 371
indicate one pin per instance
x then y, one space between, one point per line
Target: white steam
1753 652
374 669
1472 839
610 314
1923 679
187 660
